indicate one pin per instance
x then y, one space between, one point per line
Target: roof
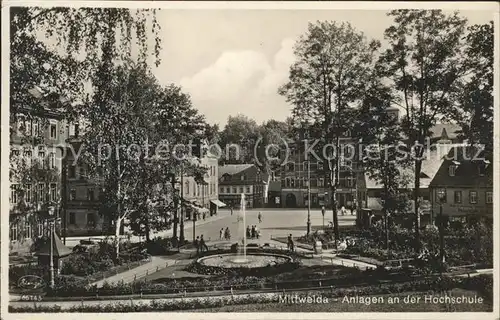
466 163
59 249
443 130
430 165
233 168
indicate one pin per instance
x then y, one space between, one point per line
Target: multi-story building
204 195
238 179
463 185
37 144
301 168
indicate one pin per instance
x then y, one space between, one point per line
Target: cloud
242 82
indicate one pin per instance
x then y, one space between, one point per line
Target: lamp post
306 136
51 255
442 199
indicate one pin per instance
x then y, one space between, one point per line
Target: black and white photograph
252 158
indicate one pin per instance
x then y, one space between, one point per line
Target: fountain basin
253 264
253 260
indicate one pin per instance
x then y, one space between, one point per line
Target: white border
302 5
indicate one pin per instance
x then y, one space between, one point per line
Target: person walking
290 243
260 217
231 210
228 233
221 233
203 245
197 244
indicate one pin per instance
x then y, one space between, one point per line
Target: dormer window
242 177
451 170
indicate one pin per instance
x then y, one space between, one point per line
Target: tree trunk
333 184
416 196
118 223
148 229
176 202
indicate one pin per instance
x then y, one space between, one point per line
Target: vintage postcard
256 159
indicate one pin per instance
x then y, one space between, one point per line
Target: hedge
428 285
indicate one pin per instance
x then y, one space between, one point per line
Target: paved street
276 222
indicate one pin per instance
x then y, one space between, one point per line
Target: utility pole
64 196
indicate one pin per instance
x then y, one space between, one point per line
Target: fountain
241 259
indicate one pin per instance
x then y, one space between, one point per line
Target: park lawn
338 306
174 272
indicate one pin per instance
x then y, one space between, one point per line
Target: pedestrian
197 244
249 232
260 217
204 215
253 232
290 243
228 232
203 245
231 210
221 233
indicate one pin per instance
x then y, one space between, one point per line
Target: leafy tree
424 66
333 62
238 139
380 132
475 99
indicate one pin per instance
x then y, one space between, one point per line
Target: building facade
238 179
301 169
463 186
37 141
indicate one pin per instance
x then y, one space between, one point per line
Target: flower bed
437 285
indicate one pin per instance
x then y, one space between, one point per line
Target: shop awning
218 203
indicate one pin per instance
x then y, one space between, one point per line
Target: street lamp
306 136
442 199
51 210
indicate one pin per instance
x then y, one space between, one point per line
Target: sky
233 61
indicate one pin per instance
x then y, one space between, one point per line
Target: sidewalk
157 263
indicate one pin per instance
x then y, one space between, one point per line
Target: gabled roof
431 163
232 169
466 163
445 131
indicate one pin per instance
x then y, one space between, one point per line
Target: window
90 194
82 173
198 190
482 169
72 218
15 152
458 196
441 195
13 232
72 194
221 189
53 131
40 229
241 189
314 183
13 193
27 193
489 197
473 197
187 188
248 189
228 190
242 177
349 183
41 192
451 170
321 182
28 230
53 191
91 219
72 172
36 131
320 166
41 155
52 160
235 190
291 167
28 153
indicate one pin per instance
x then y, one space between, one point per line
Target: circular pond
253 260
